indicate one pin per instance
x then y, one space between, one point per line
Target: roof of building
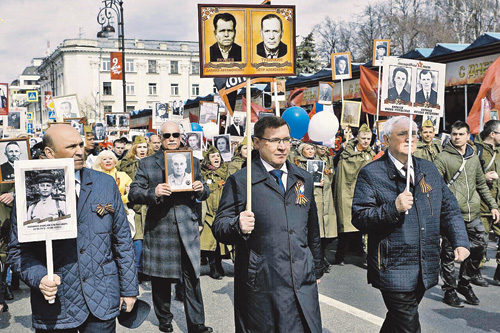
30 70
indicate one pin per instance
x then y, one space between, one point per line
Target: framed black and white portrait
12 150
194 141
117 121
381 49
399 85
77 124
4 99
208 112
179 170
325 92
238 124
316 167
46 199
341 66
223 144
99 131
66 107
110 120
15 120
427 88
160 114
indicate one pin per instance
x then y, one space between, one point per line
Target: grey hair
389 125
103 154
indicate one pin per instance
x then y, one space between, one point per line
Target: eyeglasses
175 135
286 141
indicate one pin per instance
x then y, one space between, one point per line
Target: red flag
490 89
295 97
116 66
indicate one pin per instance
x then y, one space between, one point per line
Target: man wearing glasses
278 252
171 236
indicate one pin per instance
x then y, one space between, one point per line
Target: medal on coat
299 191
425 187
188 182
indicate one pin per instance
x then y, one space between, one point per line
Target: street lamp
104 18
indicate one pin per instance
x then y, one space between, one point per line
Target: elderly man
428 147
171 236
225 49
271 31
236 128
12 152
180 178
403 249
155 142
95 273
278 248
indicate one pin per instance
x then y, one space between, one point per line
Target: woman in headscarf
322 193
129 164
239 157
214 170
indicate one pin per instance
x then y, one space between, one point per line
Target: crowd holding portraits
12 150
179 170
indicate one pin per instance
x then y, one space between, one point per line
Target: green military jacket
428 152
485 155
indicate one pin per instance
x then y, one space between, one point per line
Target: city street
348 304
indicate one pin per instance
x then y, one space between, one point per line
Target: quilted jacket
401 246
470 187
96 268
485 157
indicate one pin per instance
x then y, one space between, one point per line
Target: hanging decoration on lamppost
116 66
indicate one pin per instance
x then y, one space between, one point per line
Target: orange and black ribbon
104 209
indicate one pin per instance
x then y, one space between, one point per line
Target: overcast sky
27 25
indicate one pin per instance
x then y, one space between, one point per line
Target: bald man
172 236
96 274
155 142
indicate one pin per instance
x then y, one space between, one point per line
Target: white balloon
210 130
323 126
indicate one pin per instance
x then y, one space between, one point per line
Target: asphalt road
348 304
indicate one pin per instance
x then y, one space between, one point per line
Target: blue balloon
196 127
298 120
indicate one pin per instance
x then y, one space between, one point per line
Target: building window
130 88
152 88
105 64
106 88
174 67
129 65
130 108
195 89
108 108
195 67
174 89
152 66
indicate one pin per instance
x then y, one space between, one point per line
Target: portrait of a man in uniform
47 205
179 168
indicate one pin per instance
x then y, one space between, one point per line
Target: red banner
49 103
4 99
490 89
116 66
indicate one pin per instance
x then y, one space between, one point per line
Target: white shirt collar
269 167
399 166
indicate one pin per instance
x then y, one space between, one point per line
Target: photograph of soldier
12 150
427 95
225 49
46 194
399 86
325 93
179 166
351 112
208 112
315 167
381 50
271 31
14 120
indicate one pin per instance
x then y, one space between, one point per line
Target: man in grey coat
171 235
278 248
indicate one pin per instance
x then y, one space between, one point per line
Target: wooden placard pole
277 103
249 145
50 259
342 90
409 161
378 94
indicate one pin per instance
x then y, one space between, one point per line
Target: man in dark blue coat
403 249
278 252
94 273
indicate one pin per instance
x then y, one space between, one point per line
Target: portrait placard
45 199
76 123
4 99
184 125
117 121
208 112
246 40
316 167
66 107
325 92
160 114
280 91
341 66
380 130
16 119
351 112
99 131
12 150
223 144
194 142
381 49
179 170
238 124
413 86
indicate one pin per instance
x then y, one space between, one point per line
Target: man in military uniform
428 147
47 206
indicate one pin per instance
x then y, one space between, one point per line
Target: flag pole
249 146
378 93
409 161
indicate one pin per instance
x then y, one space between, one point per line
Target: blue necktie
277 176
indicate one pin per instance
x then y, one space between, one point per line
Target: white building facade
156 71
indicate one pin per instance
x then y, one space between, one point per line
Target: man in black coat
278 252
426 94
271 31
225 30
171 234
236 128
403 249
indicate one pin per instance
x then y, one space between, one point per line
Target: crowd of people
305 196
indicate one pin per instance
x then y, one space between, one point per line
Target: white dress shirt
284 176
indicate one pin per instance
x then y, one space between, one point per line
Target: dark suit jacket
7 171
170 220
420 98
393 95
96 268
234 53
282 50
401 247
232 130
279 262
